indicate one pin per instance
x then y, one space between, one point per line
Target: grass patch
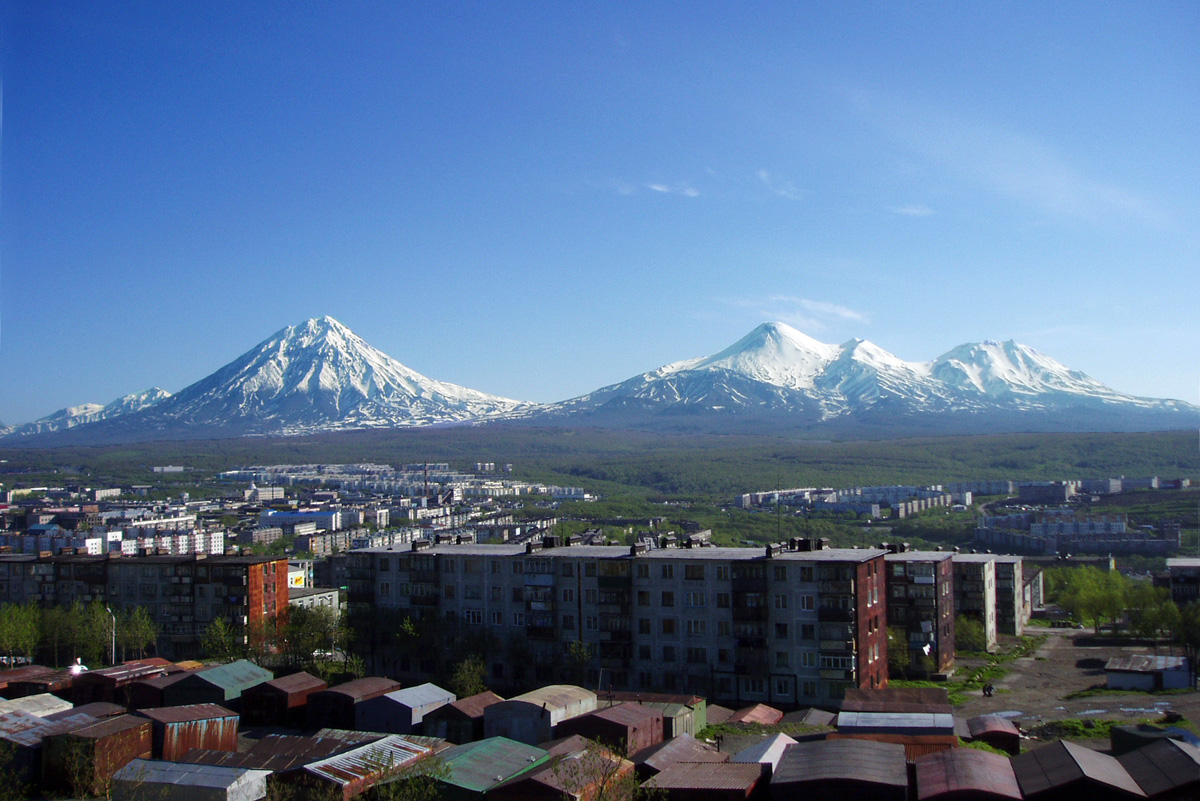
973 679
736 729
1102 690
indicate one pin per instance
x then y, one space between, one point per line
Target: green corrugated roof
481 765
235 677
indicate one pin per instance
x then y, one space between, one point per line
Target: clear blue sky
538 199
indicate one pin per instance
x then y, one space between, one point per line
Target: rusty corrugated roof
966 770
96 709
845 760
373 761
110 726
186 713
1163 766
1044 770
680 748
295 683
758 713
739 776
897 699
473 706
367 687
991 724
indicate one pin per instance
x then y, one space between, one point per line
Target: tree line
59 635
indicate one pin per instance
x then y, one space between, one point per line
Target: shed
811 717
768 752
681 712
97 710
909 723
223 685
718 714
280 702
842 770
460 721
709 781
1167 769
966 774
574 771
148 693
1147 672
475 768
756 714
625 728
400 711
897 699
24 672
42 704
680 748
24 734
147 780
1065 771
178 729
352 772
335 706
531 718
915 745
275 752
995 731
1130 738
57 682
112 684
84 760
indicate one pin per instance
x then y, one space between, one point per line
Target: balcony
424 600
836 587
749 584
614 582
616 636
833 614
746 614
839 646
541 632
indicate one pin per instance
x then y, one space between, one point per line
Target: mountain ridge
320 376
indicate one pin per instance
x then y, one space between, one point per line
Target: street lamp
114 633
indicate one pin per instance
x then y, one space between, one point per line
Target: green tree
219 641
1188 635
469 677
579 656
600 773
136 632
969 634
56 632
899 657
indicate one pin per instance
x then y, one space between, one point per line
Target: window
568 596
781 631
643 652
668 571
783 686
589 570
497 618
589 596
473 616
722 572
518 567
756 686
568 622
668 653
694 599
496 593
518 619
781 659
518 594
723 628
643 571
695 628
473 593
449 591
697 656
781 601
668 598
383 564
808 688
722 600
693 572
643 598
780 572
806 573
385 588
668 625
591 623
723 655
808 659
808 631
451 616
568 570
807 603
643 626
496 565
448 566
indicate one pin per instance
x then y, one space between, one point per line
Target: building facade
921 602
778 625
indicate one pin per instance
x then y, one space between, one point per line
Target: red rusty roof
966 771
472 706
758 713
186 713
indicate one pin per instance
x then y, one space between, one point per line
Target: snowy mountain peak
774 353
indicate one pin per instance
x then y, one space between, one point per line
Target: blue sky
538 199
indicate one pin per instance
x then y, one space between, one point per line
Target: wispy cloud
779 186
803 313
687 190
917 210
1009 163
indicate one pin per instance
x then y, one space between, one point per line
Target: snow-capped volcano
306 378
777 376
320 375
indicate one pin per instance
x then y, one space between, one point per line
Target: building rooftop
845 760
966 772
1043 771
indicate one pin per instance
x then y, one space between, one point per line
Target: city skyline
539 202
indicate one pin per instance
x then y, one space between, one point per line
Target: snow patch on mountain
85 413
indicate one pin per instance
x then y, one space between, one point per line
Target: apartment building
921 602
975 592
785 624
183 594
1012 613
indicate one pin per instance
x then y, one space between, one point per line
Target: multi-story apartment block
975 592
183 594
921 602
1012 613
1184 576
780 625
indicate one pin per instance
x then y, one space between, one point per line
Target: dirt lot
1069 661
